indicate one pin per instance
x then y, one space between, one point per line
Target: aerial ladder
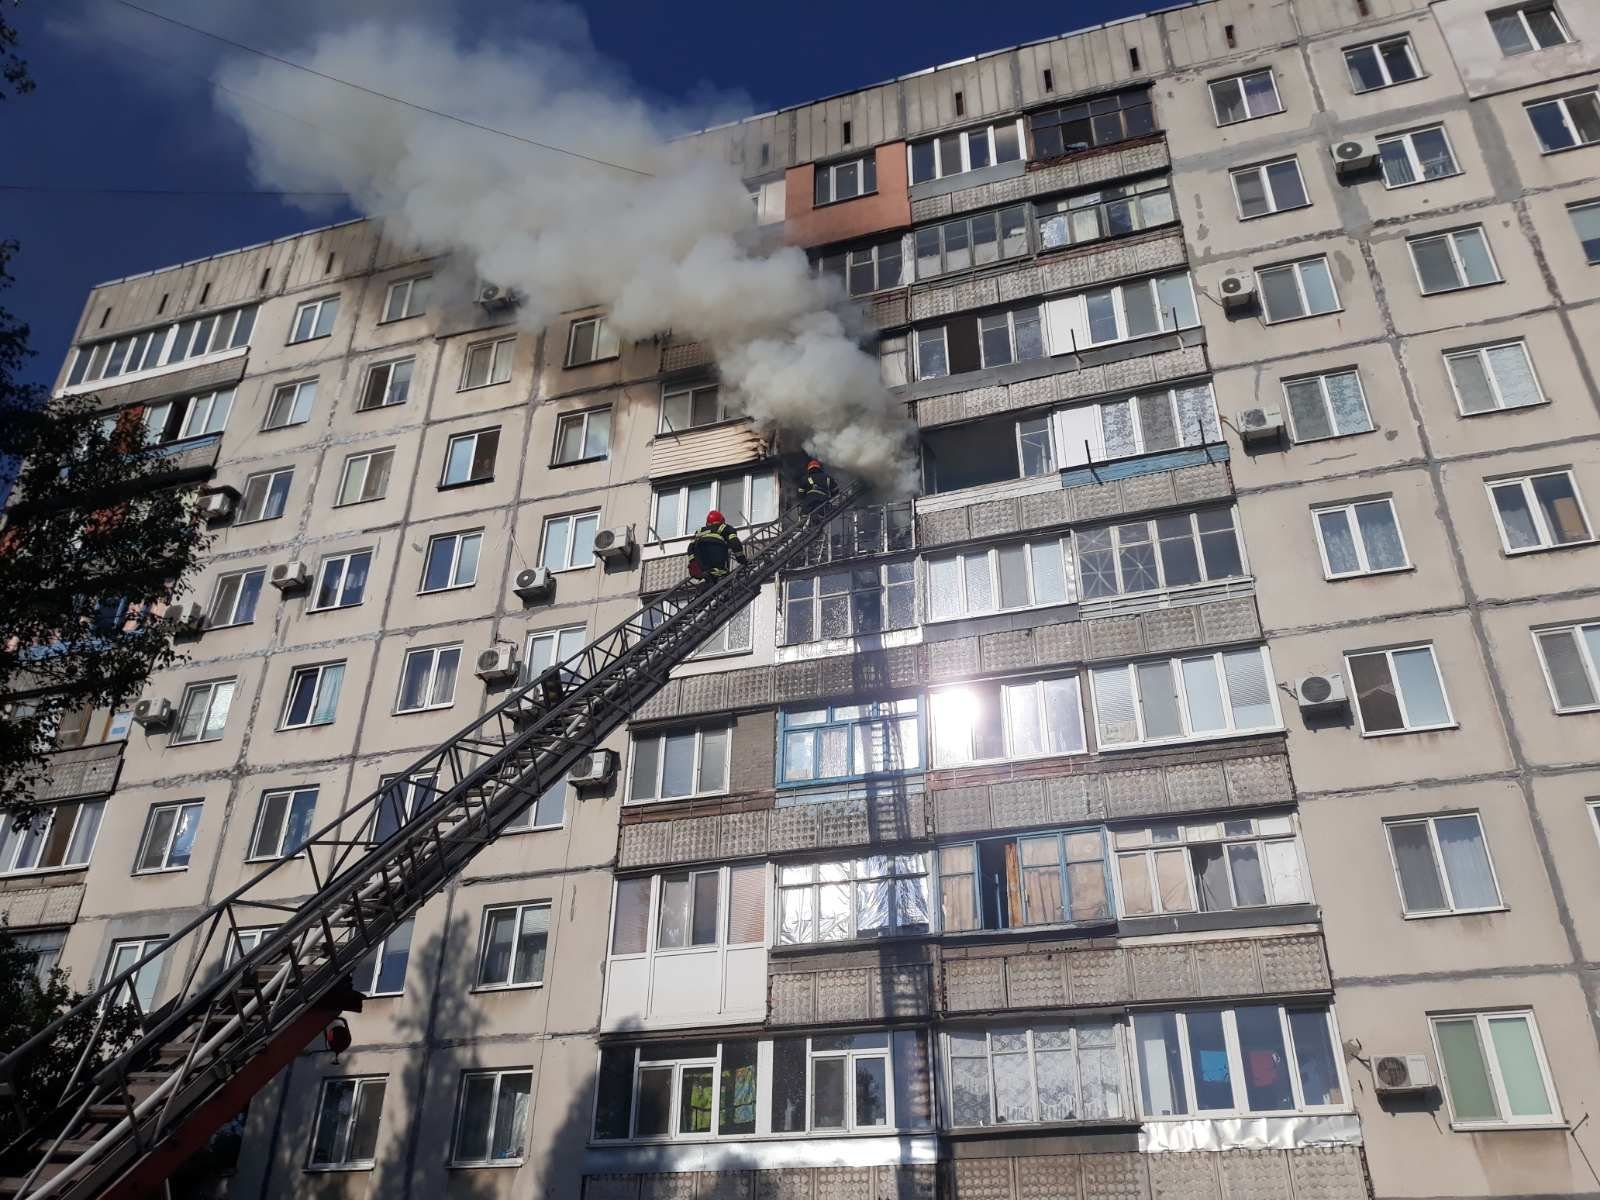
128 1115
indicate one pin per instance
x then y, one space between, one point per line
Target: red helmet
814 465
714 517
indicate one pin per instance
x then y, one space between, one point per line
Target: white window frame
254 851
146 976
1457 261
413 299
365 460
1348 510
849 1058
301 397
499 1077
1520 12
1069 574
604 344
455 561
17 844
268 482
1010 316
740 515
736 635
211 687
521 910
1376 47
1244 100
341 563
362 1085
500 352
1259 170
1577 631
1541 524
244 940
1586 207
182 810
474 437
370 969
1180 837
1405 716
431 681
1296 269
814 596
1321 380
570 520
315 309
966 135
388 367
1429 821
1152 529
1481 353
1119 301
1407 141
320 673
725 411
1008 733
882 873
1236 1068
699 732
1491 1061
215 407
241 579
1211 431
573 636
582 419
1031 1029
1175 665
1562 105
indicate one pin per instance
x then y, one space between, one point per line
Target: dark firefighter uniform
816 488
714 545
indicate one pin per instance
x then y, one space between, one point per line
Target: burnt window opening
992 451
1101 121
1049 80
1133 57
1227 36
961 105
847 133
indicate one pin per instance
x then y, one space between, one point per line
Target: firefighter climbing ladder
124 1119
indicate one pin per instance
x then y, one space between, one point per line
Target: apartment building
1192 792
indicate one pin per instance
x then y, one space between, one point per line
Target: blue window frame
849 741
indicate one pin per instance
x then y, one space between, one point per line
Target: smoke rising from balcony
668 245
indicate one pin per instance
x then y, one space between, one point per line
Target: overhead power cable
248 49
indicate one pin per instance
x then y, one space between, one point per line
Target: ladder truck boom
127 1116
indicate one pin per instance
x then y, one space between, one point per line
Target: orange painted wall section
888 208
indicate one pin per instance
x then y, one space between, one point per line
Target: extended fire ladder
125 1118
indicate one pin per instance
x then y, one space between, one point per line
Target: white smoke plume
666 245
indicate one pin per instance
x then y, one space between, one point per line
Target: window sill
177 745
427 708
316 337
635 803
1246 120
1370 574
256 521
1398 187
1465 287
1578 710
1274 212
1456 912
354 503
465 483
578 462
213 628
383 995
588 566
336 1168
334 607
158 871
1526 550
400 318
842 200
1231 1115
1008 758
308 725
490 989
362 408
676 433
1383 733
1494 412
1266 320
573 366
1198 739
39 872
1384 87
485 1166
1521 1127
478 387
454 587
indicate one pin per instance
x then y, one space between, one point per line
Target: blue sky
123 102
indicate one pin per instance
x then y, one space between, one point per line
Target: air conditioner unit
614 545
1402 1073
1259 425
153 714
1320 693
1238 290
291 576
1354 154
536 583
495 298
496 663
595 769
219 505
188 618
